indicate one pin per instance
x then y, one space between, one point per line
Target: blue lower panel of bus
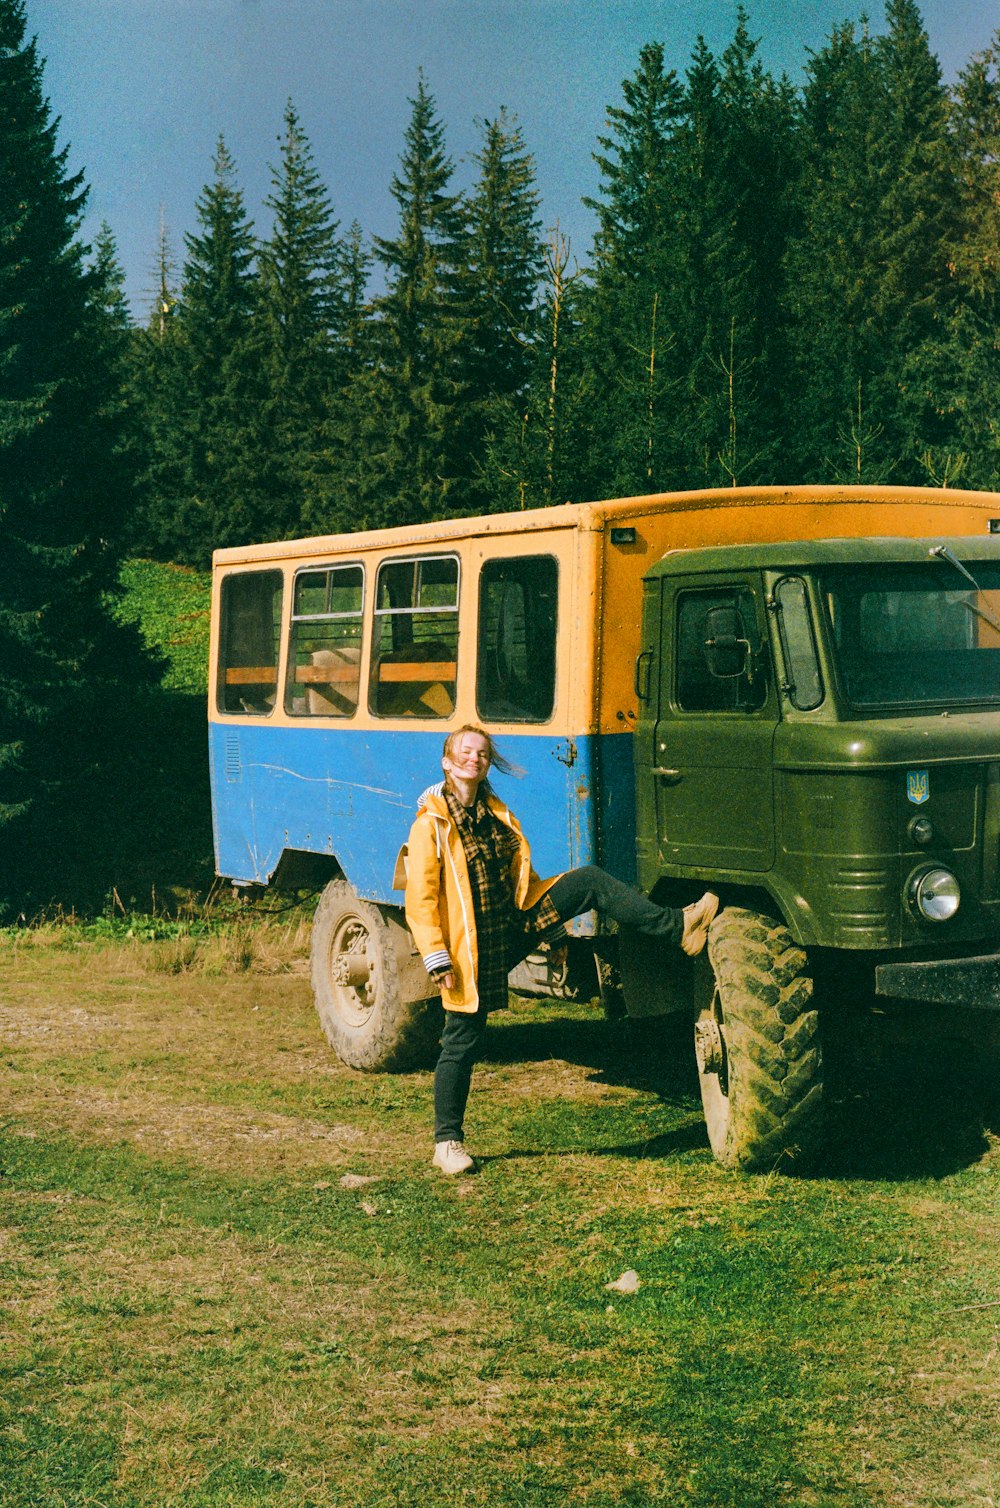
353 795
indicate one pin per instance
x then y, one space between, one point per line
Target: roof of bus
595 516
799 554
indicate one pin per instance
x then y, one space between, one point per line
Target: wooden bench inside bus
258 686
332 680
416 681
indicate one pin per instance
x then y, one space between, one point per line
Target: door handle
670 776
641 677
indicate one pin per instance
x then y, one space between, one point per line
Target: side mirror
728 652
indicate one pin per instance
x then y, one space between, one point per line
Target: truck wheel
757 1044
364 1011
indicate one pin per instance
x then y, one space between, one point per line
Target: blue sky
144 87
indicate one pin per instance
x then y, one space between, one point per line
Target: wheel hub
350 969
708 1046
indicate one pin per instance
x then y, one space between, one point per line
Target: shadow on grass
903 1108
896 1109
688 1138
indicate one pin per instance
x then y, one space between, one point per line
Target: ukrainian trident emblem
918 786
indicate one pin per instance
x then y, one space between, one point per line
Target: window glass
805 685
914 634
248 644
324 651
415 638
516 667
719 662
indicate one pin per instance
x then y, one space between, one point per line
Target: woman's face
469 759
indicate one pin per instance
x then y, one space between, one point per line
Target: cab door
718 709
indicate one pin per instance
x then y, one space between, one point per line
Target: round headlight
936 895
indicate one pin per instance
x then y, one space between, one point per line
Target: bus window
415 638
324 652
516 668
248 644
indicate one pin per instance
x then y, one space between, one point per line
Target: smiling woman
476 907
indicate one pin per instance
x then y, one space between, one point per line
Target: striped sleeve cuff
438 962
554 935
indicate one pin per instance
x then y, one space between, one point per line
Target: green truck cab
819 741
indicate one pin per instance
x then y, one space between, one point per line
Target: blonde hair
505 766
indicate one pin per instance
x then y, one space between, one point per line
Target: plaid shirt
501 930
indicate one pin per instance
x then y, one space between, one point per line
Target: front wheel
364 986
760 1063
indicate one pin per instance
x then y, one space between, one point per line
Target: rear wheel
357 950
757 1043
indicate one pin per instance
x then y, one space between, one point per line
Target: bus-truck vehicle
788 695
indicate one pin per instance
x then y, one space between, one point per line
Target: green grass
196 1311
172 606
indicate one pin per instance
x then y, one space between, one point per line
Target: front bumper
969 983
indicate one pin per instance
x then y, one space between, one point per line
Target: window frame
514 561
379 614
224 670
733 589
327 568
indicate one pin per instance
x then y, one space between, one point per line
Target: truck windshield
914 634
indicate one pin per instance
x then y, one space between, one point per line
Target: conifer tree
956 371
871 268
401 431
227 457
684 325
63 500
734 164
628 317
500 278
158 387
535 454
308 287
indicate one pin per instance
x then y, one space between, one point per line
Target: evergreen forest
786 284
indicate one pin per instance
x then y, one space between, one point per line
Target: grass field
230 1275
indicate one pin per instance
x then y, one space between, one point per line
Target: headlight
935 893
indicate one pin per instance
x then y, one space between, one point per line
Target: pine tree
402 426
158 387
226 466
112 319
684 327
956 370
629 314
734 210
535 454
870 271
310 288
63 497
500 278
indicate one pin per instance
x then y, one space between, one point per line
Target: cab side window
516 664
415 638
719 662
250 631
324 652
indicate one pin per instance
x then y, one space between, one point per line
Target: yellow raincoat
439 910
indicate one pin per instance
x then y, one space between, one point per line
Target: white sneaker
451 1157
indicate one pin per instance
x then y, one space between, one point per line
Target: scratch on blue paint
396 797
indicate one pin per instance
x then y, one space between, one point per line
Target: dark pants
579 890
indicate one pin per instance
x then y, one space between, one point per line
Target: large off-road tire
757 1042
358 956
